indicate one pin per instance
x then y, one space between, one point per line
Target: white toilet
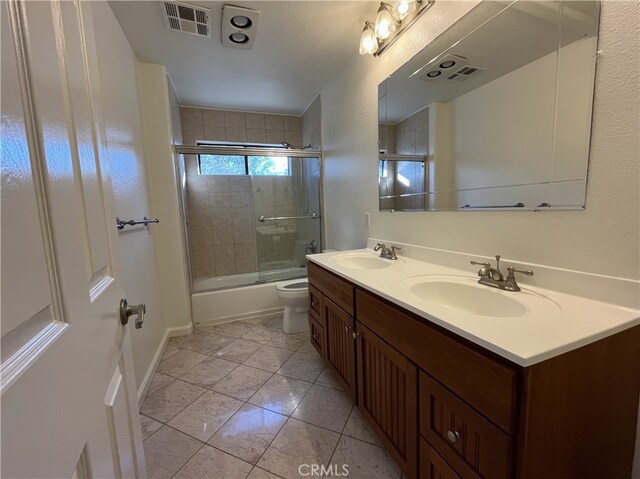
294 294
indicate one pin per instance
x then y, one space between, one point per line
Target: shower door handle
312 216
127 310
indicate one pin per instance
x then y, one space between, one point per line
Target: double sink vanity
463 380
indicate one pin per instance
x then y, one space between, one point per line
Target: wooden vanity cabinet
432 466
331 306
446 408
387 396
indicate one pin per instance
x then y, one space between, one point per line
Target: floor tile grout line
245 402
263 469
335 448
254 405
205 390
269 445
187 461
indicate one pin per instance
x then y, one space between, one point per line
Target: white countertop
537 335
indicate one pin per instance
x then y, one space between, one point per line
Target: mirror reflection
494 114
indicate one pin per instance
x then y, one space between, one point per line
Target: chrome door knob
453 436
127 310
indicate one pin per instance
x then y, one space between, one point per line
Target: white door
68 402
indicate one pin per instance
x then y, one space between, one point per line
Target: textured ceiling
299 47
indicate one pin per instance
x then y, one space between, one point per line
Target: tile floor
244 400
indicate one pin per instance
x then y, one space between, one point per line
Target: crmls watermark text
320 470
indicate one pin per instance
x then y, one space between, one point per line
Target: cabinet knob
453 436
355 335
313 304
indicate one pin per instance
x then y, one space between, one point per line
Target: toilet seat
293 285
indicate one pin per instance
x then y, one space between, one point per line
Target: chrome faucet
493 277
387 252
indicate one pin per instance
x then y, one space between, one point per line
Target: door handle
127 310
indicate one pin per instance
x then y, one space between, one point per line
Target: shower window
244 165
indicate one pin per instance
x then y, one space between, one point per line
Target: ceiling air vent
465 73
183 17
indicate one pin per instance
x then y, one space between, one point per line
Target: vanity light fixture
391 21
385 23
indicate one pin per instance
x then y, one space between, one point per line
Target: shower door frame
181 150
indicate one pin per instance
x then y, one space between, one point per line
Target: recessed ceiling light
447 64
239 26
434 73
240 21
239 38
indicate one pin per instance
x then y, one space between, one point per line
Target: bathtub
239 296
201 285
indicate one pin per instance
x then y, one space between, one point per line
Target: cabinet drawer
315 300
467 440
339 290
432 466
488 385
316 335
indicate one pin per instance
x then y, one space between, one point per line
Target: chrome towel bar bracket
121 224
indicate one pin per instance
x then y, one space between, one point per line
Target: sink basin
361 261
466 295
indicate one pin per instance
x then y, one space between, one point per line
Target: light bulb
404 8
368 40
385 24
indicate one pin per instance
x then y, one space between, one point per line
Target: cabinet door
316 335
387 396
432 466
340 343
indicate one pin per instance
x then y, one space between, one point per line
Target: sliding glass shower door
287 213
251 213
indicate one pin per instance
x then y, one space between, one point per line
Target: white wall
350 134
119 103
155 110
521 105
604 238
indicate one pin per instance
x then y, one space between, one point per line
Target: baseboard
237 317
169 333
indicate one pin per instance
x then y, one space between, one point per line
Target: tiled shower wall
203 124
408 137
220 209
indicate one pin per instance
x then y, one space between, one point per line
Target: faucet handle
479 263
511 283
393 249
512 270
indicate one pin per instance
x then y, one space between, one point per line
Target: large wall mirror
493 114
